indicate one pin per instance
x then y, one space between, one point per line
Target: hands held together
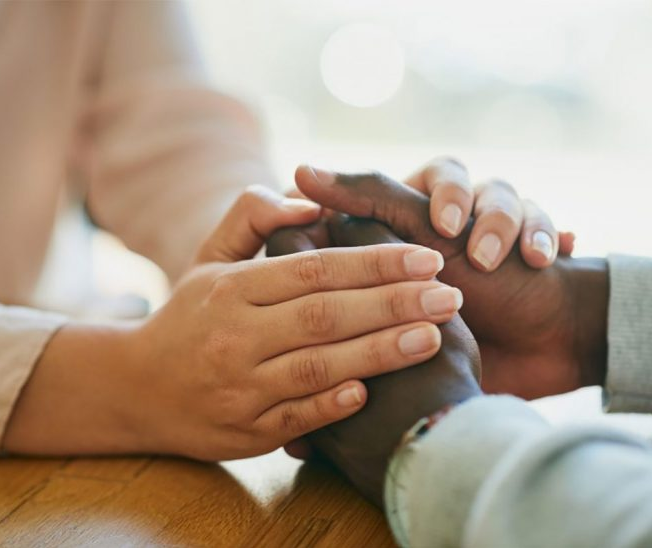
251 353
539 332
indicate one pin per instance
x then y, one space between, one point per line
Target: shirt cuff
628 386
433 481
24 333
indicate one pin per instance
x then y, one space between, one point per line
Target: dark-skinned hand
540 332
361 445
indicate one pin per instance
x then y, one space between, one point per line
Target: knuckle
254 193
394 304
501 184
224 285
255 196
375 267
247 198
310 370
294 420
534 214
451 168
503 218
374 357
318 315
449 171
378 175
313 270
448 160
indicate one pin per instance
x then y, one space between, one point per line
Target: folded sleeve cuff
435 479
24 334
629 367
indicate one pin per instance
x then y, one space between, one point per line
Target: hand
540 332
245 356
361 445
500 217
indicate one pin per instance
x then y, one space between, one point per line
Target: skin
360 446
550 336
231 367
497 211
540 332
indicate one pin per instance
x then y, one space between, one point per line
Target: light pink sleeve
167 154
24 333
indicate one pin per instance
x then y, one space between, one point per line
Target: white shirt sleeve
629 365
24 333
494 473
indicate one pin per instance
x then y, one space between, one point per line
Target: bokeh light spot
362 64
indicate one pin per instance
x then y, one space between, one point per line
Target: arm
530 325
530 485
245 355
165 153
361 446
529 478
492 472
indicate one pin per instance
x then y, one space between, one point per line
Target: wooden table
267 501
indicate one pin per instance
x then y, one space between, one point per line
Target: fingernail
442 300
298 205
322 176
488 250
451 219
542 242
419 340
423 262
349 397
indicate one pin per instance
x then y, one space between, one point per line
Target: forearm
77 400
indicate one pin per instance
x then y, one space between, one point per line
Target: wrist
589 297
74 401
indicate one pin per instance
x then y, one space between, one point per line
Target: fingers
566 244
295 193
257 213
339 315
293 276
294 418
447 183
318 368
353 231
499 217
288 240
372 195
539 239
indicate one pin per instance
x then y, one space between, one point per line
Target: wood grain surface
267 501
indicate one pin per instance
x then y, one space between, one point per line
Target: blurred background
550 95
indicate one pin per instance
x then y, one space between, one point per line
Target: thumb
257 213
404 210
